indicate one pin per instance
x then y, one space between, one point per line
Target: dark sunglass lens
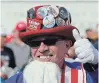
35 43
50 41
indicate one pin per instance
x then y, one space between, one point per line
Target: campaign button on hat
34 24
53 10
31 13
41 12
63 13
37 7
60 21
29 21
49 21
68 20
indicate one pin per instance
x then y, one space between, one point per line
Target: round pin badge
34 24
63 13
31 13
68 20
53 10
49 21
59 21
41 12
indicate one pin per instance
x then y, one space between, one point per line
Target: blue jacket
17 78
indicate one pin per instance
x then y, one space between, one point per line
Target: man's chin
42 72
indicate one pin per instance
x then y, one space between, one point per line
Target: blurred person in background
6 52
7 60
9 38
21 51
92 36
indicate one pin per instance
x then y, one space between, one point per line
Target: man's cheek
34 52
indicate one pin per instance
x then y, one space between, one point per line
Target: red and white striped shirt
73 75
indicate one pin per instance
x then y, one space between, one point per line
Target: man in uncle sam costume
50 35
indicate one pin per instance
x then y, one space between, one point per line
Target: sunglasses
47 41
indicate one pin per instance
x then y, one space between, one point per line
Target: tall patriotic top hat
47 20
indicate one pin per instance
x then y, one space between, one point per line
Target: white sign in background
84 13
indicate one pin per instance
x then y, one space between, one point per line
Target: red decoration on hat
34 24
21 26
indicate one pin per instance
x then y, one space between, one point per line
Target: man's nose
43 47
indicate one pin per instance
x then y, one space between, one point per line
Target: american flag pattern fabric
73 73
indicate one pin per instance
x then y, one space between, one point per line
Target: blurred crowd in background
14 53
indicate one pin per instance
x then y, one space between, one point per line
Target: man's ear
68 43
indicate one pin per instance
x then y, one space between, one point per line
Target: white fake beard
42 72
